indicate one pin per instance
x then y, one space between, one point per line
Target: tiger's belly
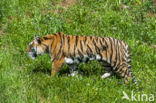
85 58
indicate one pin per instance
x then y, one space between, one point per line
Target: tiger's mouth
32 55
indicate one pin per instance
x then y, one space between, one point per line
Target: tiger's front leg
56 66
73 69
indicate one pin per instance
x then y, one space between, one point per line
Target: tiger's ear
37 39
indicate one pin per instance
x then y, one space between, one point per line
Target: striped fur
112 53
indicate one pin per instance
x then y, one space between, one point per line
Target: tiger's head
36 47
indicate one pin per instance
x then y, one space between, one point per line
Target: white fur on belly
98 57
69 60
83 59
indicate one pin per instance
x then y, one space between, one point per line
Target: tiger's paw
75 73
106 75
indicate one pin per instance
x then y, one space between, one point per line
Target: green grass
23 80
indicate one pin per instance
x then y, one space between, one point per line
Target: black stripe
76 41
103 39
123 51
117 67
122 46
97 39
122 72
96 47
106 66
85 40
129 67
55 48
52 41
128 50
103 47
60 38
119 70
91 37
115 44
81 46
125 72
55 39
68 38
63 40
114 62
80 54
51 45
129 62
63 45
60 50
111 51
58 54
125 47
106 49
54 51
89 49
122 65
45 38
54 34
124 59
88 53
120 43
47 48
100 55
118 46
45 45
79 59
87 59
129 57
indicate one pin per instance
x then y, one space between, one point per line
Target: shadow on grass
48 71
45 71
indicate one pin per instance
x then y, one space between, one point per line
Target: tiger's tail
129 66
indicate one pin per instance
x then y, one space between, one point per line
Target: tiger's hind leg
126 73
108 69
73 69
122 71
128 77
107 74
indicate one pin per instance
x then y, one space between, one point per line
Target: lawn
23 80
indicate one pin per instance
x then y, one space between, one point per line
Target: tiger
113 54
